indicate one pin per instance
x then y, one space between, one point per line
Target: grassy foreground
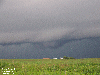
89 66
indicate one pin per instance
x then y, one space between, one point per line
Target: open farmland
89 66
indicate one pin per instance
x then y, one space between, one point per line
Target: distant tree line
68 57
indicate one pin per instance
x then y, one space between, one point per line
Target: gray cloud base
48 20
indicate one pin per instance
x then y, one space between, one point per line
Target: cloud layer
32 21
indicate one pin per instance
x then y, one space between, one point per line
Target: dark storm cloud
48 21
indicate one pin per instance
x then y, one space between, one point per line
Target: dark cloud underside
52 23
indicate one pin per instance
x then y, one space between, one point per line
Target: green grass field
89 66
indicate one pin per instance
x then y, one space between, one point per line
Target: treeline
68 57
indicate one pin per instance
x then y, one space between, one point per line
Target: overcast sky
49 28
48 20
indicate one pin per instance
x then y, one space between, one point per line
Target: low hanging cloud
49 22
49 38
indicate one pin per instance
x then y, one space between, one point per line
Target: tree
68 57
71 58
65 57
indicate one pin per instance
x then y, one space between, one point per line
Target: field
89 66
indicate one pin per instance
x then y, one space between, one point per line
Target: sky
47 25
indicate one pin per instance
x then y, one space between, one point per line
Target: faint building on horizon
54 58
61 58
